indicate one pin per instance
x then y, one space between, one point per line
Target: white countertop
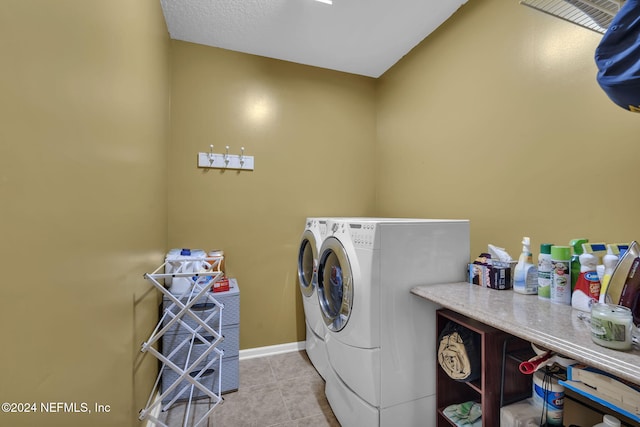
553 326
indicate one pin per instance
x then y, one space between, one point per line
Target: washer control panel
362 234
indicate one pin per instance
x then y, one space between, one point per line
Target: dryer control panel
362 235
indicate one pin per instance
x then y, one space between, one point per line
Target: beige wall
497 117
85 111
312 133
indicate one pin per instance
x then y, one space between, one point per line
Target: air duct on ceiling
595 15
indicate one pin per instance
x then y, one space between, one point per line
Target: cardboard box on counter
499 275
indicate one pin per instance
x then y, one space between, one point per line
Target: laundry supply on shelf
467 414
556 358
183 262
587 289
524 413
577 249
609 391
216 259
525 276
598 250
609 421
545 269
561 275
532 365
548 394
490 272
610 260
180 261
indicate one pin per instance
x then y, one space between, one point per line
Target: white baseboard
270 350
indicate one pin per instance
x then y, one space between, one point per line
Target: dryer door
335 285
307 263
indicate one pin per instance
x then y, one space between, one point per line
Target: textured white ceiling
363 37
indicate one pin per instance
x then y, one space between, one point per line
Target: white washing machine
380 339
312 237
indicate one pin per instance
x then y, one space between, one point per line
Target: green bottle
576 244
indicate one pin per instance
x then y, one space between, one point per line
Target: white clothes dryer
381 339
312 237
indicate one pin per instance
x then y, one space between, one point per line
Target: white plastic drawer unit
205 309
209 379
191 347
183 349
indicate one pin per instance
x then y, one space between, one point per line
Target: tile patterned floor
283 390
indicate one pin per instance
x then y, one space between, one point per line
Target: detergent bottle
587 289
609 260
609 421
599 250
525 277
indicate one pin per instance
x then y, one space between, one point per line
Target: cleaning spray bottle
574 264
525 277
587 290
609 260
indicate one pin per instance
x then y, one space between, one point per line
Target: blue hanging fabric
618 58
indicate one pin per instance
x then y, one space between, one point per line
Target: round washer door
307 263
335 285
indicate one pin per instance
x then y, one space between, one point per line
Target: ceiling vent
595 15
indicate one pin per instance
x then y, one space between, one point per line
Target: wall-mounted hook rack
225 160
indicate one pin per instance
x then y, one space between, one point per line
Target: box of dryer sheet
604 388
497 275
